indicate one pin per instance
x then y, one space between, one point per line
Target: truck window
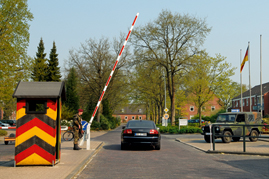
240 118
250 117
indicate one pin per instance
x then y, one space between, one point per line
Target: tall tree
231 90
40 68
14 35
170 41
207 76
72 98
94 62
54 73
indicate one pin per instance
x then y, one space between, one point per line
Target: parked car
139 132
10 122
4 124
234 132
195 121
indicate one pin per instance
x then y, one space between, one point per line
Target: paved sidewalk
72 162
261 147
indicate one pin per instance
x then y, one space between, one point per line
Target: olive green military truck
230 131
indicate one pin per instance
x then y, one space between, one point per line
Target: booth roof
40 90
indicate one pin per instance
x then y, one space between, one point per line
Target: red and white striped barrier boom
7 127
110 76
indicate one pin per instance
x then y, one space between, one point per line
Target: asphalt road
174 160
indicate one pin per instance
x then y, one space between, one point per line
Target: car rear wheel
158 146
236 139
227 138
253 134
123 146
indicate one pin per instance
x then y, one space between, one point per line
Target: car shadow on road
130 148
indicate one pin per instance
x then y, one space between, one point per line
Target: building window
246 102
191 108
243 102
255 101
139 110
236 104
122 110
126 117
212 108
203 108
140 117
133 117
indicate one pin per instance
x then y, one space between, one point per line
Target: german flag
244 61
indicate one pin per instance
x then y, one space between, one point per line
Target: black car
139 132
10 122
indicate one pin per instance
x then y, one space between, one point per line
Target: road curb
223 152
237 153
85 162
191 145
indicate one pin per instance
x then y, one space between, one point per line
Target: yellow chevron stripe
39 133
52 114
20 113
34 159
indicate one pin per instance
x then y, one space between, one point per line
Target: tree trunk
200 115
173 111
159 114
99 112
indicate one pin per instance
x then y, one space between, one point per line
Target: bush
3 132
95 125
183 129
105 125
68 123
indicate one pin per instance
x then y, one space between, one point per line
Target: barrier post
109 78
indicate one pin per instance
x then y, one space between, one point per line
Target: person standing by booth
77 127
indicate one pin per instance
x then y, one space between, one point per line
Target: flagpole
241 80
250 100
261 69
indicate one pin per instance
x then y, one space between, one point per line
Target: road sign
84 125
166 116
166 110
235 110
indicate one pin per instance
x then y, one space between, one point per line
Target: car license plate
140 134
208 133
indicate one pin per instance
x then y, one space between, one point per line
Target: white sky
234 23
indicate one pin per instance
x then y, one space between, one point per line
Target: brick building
131 112
211 107
255 100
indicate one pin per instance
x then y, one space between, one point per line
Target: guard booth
38 130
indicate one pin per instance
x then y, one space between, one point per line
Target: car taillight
153 131
127 131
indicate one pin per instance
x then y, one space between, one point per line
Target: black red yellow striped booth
38 130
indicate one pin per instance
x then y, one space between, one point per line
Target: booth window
36 107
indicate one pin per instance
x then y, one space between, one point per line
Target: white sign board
183 122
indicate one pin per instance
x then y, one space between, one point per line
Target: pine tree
54 73
72 98
40 64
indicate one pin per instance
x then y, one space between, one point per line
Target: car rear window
144 124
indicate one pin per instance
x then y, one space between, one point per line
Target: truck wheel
253 134
207 138
236 139
227 138
6 142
